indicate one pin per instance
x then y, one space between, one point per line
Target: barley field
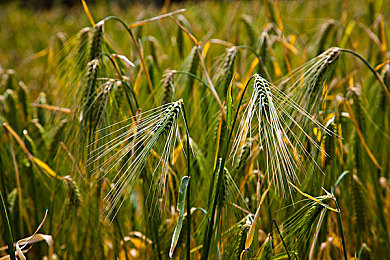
195 130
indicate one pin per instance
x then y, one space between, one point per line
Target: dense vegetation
229 130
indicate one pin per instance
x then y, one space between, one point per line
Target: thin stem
281 237
258 57
339 180
156 18
339 222
379 78
19 187
192 75
213 91
209 230
139 50
236 115
120 73
188 187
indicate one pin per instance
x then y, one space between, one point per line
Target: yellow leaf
206 48
251 233
46 168
87 12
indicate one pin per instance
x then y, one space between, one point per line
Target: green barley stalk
330 145
240 240
10 110
56 139
242 159
272 129
359 115
267 251
153 47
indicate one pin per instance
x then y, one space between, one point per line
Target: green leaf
180 208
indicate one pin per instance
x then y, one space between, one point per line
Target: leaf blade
180 207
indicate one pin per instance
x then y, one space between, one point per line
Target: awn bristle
132 148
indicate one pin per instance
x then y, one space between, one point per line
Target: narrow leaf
251 233
46 168
87 12
180 208
313 199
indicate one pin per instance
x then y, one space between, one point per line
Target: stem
191 75
379 78
339 222
281 237
339 180
8 232
258 57
120 73
188 188
209 230
139 50
19 187
213 91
